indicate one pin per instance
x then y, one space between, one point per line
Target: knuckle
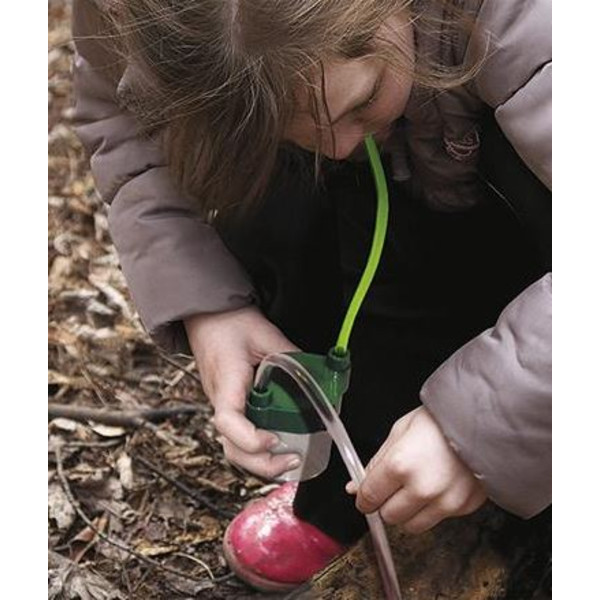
396 467
368 497
220 421
425 492
388 515
452 504
252 444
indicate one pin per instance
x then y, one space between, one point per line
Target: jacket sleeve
516 77
493 397
175 264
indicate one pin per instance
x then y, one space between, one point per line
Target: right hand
227 346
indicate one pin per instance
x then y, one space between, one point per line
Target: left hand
416 480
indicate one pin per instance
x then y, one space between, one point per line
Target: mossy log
489 555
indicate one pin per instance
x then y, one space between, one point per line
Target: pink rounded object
271 549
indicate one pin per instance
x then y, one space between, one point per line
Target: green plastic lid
282 406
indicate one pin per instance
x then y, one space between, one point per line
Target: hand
227 346
416 480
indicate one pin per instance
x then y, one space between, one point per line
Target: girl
203 129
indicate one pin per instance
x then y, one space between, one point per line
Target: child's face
363 96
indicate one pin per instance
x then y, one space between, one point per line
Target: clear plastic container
338 433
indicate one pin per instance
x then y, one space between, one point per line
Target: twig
124 418
109 540
99 393
197 561
179 366
183 488
92 444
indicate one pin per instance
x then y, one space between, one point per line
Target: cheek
393 98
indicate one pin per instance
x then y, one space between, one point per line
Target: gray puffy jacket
492 398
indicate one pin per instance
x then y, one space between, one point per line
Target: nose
346 142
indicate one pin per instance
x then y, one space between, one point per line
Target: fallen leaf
82 542
169 508
193 461
97 307
59 507
78 383
125 469
60 270
108 431
63 424
87 534
146 548
114 296
69 581
210 529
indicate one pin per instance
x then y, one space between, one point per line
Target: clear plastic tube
338 433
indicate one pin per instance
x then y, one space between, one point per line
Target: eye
370 100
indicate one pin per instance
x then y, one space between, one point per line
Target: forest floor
134 510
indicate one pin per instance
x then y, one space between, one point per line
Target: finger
395 434
243 433
380 482
351 486
424 520
264 464
453 503
230 383
401 507
399 427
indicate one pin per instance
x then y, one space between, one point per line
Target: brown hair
217 78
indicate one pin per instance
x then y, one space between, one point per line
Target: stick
181 367
124 418
109 540
183 488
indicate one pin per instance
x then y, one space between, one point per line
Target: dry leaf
87 534
169 508
104 335
78 383
210 529
63 424
108 431
146 548
81 295
125 469
97 307
83 541
60 270
59 507
69 581
114 296
85 475
193 461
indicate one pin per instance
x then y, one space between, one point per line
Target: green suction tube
381 222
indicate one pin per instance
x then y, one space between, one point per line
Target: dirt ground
134 511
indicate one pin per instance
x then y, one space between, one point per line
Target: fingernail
294 464
351 487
